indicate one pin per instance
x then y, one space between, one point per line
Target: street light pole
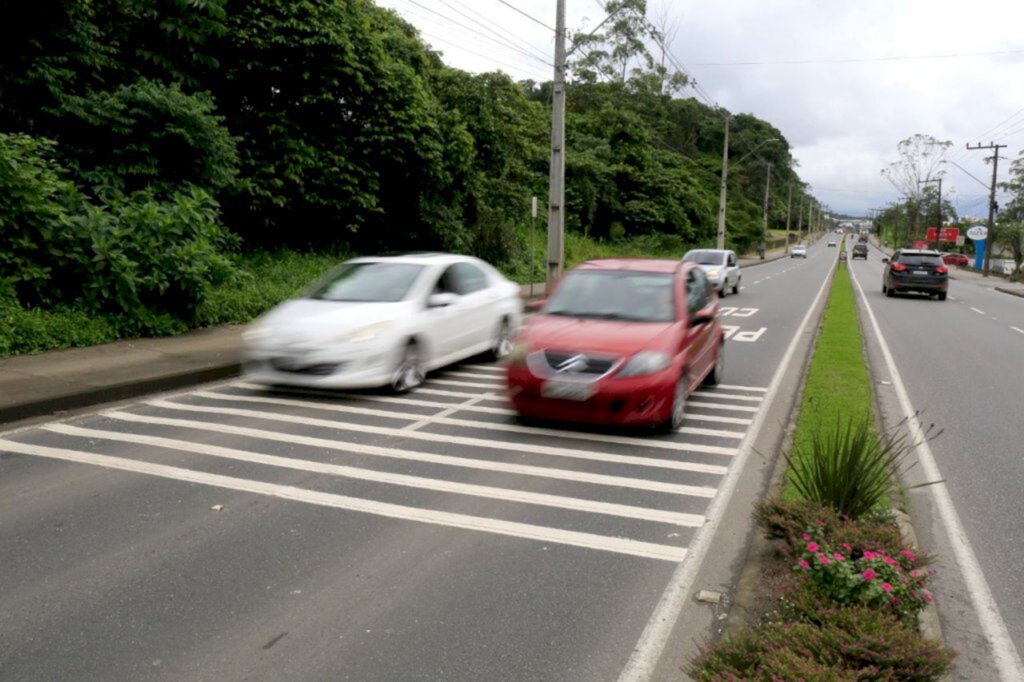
556 181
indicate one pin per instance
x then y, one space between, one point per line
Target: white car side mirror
441 300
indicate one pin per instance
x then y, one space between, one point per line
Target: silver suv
721 267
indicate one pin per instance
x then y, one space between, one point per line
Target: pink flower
927 595
889 560
869 555
807 536
869 575
803 564
909 555
823 559
886 587
915 573
812 547
838 556
847 547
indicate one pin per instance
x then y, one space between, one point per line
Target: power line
476 32
501 32
528 16
484 56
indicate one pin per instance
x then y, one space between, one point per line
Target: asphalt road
228 532
962 362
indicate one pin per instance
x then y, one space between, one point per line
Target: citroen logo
573 364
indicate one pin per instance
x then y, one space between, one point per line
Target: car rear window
705 257
915 259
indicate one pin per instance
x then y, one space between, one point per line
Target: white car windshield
615 295
379 282
705 257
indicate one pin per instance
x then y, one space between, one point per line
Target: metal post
764 228
789 207
556 185
533 242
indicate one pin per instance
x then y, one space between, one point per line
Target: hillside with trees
144 144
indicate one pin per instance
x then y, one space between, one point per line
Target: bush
834 643
848 468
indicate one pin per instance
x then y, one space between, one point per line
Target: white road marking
463 440
443 414
733 396
417 456
1018 330
720 406
489 492
498 369
442 418
1007 660
644 659
732 387
510 528
462 384
980 312
498 379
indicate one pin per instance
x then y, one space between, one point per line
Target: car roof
635 264
919 252
424 258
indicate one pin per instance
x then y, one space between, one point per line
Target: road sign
949 234
931 234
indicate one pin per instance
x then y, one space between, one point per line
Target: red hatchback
621 342
954 259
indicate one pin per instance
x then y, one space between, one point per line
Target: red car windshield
615 295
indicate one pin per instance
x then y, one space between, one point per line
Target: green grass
838 383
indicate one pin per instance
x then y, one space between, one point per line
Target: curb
113 393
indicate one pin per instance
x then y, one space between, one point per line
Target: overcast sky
843 81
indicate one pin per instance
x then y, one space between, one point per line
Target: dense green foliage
147 131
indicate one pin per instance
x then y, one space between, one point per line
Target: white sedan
385 321
798 251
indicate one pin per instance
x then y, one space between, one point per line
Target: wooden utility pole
991 203
556 181
800 219
764 229
789 208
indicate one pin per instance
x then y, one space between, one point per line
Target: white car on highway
798 251
721 267
385 321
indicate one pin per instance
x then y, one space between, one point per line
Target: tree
919 162
1010 228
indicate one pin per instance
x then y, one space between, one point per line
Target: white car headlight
645 362
714 273
367 333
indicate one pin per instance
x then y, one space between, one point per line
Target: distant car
721 267
798 251
842 255
915 270
832 241
620 342
384 321
955 259
860 250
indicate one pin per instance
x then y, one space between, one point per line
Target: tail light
942 269
899 267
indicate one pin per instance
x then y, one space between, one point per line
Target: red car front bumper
622 401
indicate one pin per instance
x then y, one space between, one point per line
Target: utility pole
939 228
764 229
810 218
991 203
800 219
720 243
556 184
789 207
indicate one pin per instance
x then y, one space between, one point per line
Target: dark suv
915 270
860 250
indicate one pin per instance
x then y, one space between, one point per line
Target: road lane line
461 384
648 649
442 415
720 406
404 400
464 440
1019 331
419 456
526 531
420 482
1007 660
980 312
733 387
732 396
441 418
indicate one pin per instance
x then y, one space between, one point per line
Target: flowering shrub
849 575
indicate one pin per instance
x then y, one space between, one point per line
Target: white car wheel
502 345
409 372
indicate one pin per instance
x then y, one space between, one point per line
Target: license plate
567 390
920 272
